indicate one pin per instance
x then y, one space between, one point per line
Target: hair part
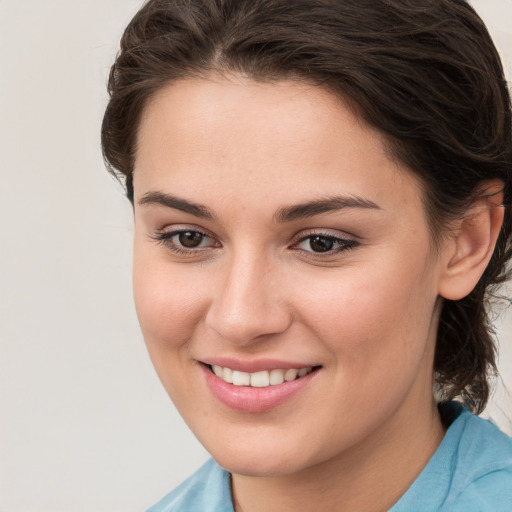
425 73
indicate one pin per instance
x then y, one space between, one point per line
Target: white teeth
276 377
241 378
260 379
290 374
227 375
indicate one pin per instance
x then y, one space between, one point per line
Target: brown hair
424 72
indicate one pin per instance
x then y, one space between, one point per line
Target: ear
468 253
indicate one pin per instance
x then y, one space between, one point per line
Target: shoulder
482 479
207 490
471 471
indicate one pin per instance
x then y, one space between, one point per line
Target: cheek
378 319
169 305
169 308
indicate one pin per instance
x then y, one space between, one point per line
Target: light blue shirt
471 471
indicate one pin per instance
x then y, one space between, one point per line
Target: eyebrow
319 206
170 201
283 214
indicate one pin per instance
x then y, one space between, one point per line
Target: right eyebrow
177 203
324 205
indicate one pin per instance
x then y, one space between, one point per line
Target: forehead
288 140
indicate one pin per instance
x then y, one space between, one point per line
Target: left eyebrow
177 203
319 206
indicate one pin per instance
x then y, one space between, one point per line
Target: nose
250 302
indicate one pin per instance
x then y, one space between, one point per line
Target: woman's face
273 233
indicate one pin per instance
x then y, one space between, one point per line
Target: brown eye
321 243
186 241
190 239
318 243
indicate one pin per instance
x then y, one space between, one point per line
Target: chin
260 460
257 466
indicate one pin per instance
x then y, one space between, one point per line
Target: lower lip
249 399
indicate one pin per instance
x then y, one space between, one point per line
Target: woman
321 192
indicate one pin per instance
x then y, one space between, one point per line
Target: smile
260 379
257 391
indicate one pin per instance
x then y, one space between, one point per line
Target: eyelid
164 236
171 229
330 233
347 242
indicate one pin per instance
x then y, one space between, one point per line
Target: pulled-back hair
424 72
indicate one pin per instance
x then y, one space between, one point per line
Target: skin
367 424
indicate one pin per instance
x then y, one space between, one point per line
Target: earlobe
469 251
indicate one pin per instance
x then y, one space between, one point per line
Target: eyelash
344 244
165 238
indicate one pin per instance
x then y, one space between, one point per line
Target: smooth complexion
273 231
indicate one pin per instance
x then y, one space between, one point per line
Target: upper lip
255 365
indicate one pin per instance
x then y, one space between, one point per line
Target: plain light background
84 423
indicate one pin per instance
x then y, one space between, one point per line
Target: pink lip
254 400
256 365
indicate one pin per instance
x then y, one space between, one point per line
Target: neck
369 477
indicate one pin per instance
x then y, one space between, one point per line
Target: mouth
258 391
260 379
